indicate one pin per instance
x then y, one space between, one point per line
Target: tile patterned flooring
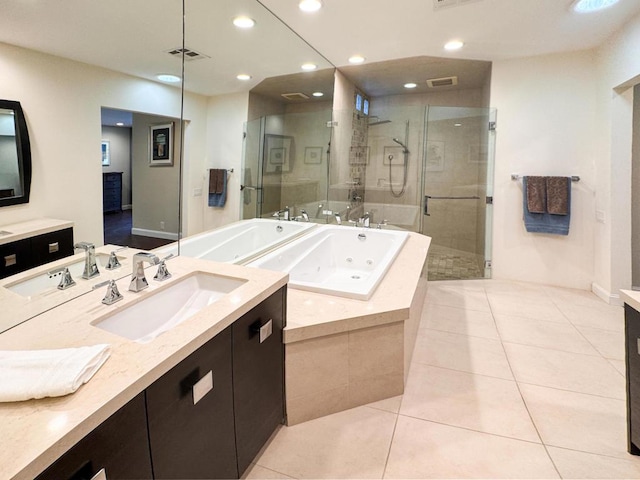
508 380
450 264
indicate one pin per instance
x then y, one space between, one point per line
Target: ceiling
130 37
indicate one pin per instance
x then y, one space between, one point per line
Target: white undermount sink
145 320
48 281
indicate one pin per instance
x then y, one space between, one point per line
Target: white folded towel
26 374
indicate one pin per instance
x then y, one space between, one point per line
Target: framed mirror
15 155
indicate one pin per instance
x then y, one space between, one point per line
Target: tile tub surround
39 431
341 353
16 309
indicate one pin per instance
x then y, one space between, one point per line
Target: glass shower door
458 189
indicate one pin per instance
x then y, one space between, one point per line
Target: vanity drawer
52 246
15 257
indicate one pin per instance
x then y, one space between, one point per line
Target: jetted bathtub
240 241
337 260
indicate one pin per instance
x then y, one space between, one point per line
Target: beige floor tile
606 317
423 449
577 421
619 365
349 444
477 285
538 308
574 296
522 289
459 320
462 399
610 344
540 333
564 370
255 472
457 297
573 464
388 404
461 352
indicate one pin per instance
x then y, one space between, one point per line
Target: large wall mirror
15 155
68 76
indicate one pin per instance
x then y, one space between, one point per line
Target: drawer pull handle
264 330
202 387
101 475
54 247
10 260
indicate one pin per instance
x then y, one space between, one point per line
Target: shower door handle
427 197
426 205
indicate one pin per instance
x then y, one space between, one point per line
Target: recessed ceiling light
167 77
310 5
243 76
317 94
309 66
243 21
356 59
457 124
586 6
119 124
410 85
454 45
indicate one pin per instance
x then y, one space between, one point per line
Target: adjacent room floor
508 380
117 231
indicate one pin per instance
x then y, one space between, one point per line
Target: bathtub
238 242
337 260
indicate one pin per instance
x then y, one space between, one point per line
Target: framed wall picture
161 145
106 154
435 156
393 155
313 155
278 153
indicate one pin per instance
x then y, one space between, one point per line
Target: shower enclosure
423 169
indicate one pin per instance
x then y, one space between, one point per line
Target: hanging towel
545 222
26 374
218 199
216 180
535 188
558 189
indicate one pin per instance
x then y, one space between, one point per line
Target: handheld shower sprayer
406 150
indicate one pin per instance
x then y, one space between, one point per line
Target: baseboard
127 207
154 233
611 299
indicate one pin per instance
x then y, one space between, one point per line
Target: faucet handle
65 280
113 261
163 273
113 294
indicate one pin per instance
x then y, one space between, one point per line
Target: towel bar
515 176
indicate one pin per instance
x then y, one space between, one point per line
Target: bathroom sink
48 281
145 320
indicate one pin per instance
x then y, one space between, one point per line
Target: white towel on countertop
26 374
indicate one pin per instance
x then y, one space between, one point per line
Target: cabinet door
119 446
52 246
258 376
194 440
632 327
15 257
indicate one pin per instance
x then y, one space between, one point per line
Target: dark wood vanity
172 430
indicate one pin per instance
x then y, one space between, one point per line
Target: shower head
406 150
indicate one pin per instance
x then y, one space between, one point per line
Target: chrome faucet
90 265
138 280
319 211
303 216
284 214
338 218
365 220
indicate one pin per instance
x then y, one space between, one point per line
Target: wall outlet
197 192
600 216
161 225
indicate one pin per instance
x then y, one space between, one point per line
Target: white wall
546 126
62 101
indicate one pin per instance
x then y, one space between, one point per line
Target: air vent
439 4
442 82
189 55
295 96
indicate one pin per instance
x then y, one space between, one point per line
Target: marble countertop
311 315
631 298
36 432
31 228
16 308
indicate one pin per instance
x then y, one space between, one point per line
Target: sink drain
355 277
